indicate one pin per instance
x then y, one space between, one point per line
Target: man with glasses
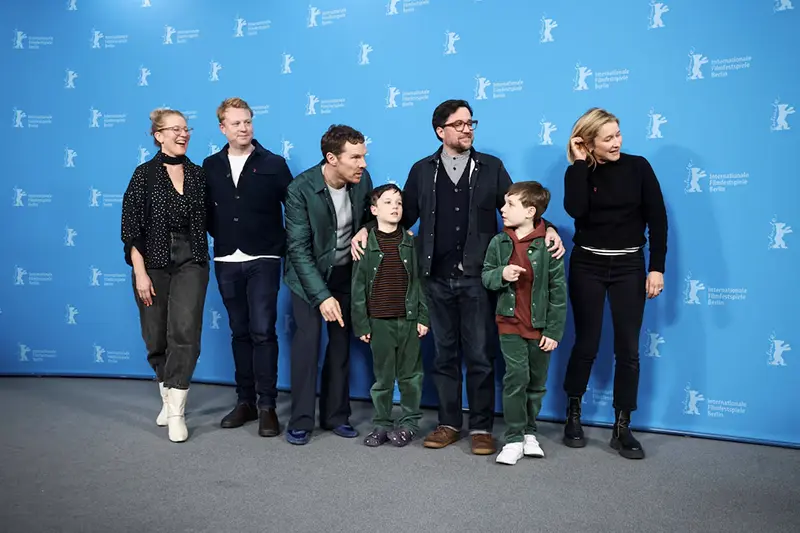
455 194
246 187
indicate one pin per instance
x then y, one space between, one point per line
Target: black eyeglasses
459 125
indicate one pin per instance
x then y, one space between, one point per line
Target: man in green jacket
325 205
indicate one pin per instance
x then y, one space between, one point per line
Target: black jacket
489 182
248 216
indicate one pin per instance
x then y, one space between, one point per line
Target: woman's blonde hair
158 118
587 127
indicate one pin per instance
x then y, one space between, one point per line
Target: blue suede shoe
346 430
298 436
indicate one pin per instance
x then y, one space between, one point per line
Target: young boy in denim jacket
531 312
388 311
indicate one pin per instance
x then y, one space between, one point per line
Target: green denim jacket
311 231
364 272
549 292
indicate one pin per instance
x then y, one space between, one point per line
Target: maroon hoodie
521 323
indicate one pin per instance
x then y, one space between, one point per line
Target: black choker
170 160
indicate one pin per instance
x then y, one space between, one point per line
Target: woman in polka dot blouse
164 233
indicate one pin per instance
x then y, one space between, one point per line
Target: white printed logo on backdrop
144 73
108 120
409 6
714 408
286 147
144 153
450 42
34 43
72 312
69 236
317 17
716 182
581 74
546 31
776 350
72 5
215 316
720 68
782 5
146 3
21 119
69 157
22 199
99 199
26 354
69 80
778 233
780 115
214 68
97 278
212 148
715 296
547 128
23 277
653 340
252 28
326 106
407 98
499 89
23 352
654 125
172 35
657 10
108 41
286 63
693 397
363 53
101 355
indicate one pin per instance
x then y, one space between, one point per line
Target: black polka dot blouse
151 234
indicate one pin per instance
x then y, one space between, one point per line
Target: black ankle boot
623 440
573 431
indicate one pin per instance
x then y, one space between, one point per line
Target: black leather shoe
268 425
623 440
243 412
573 430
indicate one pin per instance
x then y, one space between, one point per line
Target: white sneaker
161 420
176 403
531 447
510 454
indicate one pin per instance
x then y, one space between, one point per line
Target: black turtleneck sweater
614 202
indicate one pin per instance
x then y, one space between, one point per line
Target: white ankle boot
161 420
176 403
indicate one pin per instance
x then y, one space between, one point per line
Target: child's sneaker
511 453
532 448
376 437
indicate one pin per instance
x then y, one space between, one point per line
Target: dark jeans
172 326
249 291
334 397
461 314
591 277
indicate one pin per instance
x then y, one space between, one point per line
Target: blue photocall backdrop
706 91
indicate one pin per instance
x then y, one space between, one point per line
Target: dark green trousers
524 385
396 356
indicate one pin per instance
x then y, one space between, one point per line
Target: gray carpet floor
85 455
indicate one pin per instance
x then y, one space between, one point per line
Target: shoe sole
572 443
483 451
437 445
268 433
626 453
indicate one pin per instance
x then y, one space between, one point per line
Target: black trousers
461 318
249 291
172 326
334 396
591 278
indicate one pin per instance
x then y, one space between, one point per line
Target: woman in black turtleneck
613 197
164 233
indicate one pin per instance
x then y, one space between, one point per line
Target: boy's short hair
377 192
531 194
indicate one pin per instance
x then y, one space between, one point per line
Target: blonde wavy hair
158 117
587 127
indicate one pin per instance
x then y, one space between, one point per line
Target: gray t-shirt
344 224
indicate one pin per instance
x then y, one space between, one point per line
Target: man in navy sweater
246 187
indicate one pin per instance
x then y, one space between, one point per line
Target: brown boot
440 437
483 444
